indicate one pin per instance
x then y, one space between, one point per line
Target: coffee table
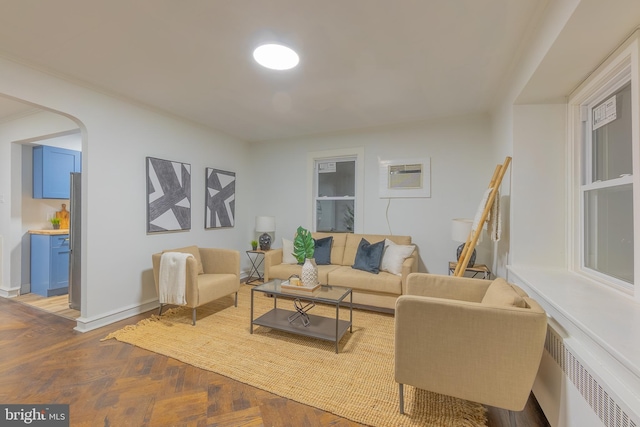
299 321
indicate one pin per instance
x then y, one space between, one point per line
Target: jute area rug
358 383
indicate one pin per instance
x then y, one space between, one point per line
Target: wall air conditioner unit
405 178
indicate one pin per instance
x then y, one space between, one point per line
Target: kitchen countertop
50 232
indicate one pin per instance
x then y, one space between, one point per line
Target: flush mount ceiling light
276 57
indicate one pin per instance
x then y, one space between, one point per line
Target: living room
528 121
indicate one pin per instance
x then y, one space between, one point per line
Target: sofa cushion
322 252
394 255
353 240
500 293
287 252
193 250
337 246
284 271
369 256
363 281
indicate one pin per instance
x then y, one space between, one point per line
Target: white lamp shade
265 224
460 229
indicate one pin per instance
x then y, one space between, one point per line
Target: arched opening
24 126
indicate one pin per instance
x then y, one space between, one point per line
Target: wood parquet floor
112 384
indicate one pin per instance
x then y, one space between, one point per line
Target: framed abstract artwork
220 198
168 195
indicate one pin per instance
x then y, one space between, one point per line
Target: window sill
602 324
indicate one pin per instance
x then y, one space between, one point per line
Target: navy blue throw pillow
369 257
322 252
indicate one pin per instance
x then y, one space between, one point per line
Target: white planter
309 274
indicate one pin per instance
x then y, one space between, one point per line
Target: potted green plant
303 249
254 244
303 245
55 222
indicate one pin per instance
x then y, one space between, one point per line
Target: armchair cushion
501 293
193 250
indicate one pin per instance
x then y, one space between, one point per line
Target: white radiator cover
590 370
572 395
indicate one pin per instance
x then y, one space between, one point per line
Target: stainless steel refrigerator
75 219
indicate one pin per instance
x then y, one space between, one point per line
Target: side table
476 270
257 258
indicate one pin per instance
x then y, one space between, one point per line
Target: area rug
357 383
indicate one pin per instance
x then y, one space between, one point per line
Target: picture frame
168 195
220 198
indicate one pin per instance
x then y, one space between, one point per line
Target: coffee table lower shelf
321 327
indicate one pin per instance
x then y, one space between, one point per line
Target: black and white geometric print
220 196
168 195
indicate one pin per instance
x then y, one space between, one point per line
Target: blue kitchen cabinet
51 169
49 264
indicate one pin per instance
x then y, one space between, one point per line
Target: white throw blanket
173 278
494 227
494 224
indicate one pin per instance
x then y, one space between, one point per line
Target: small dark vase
265 242
472 260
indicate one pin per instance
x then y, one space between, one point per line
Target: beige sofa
373 290
473 339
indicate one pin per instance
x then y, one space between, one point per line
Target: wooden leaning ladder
474 235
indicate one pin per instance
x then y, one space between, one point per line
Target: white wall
539 186
117 137
461 167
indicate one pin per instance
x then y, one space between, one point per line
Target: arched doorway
23 126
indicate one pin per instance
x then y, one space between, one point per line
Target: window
606 171
336 190
335 195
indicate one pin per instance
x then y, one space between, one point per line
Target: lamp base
472 260
265 242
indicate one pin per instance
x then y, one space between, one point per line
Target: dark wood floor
43 361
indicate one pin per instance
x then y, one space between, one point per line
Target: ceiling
363 63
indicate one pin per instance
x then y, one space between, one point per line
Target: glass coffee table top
325 293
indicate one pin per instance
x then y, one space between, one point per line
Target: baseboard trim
86 324
9 292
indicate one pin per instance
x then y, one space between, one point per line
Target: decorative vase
309 274
472 259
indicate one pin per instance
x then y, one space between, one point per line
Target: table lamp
460 230
265 225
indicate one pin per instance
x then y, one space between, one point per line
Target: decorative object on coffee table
303 245
265 225
309 273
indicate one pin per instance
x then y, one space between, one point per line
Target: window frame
619 69
356 154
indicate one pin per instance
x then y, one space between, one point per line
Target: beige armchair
211 274
477 340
